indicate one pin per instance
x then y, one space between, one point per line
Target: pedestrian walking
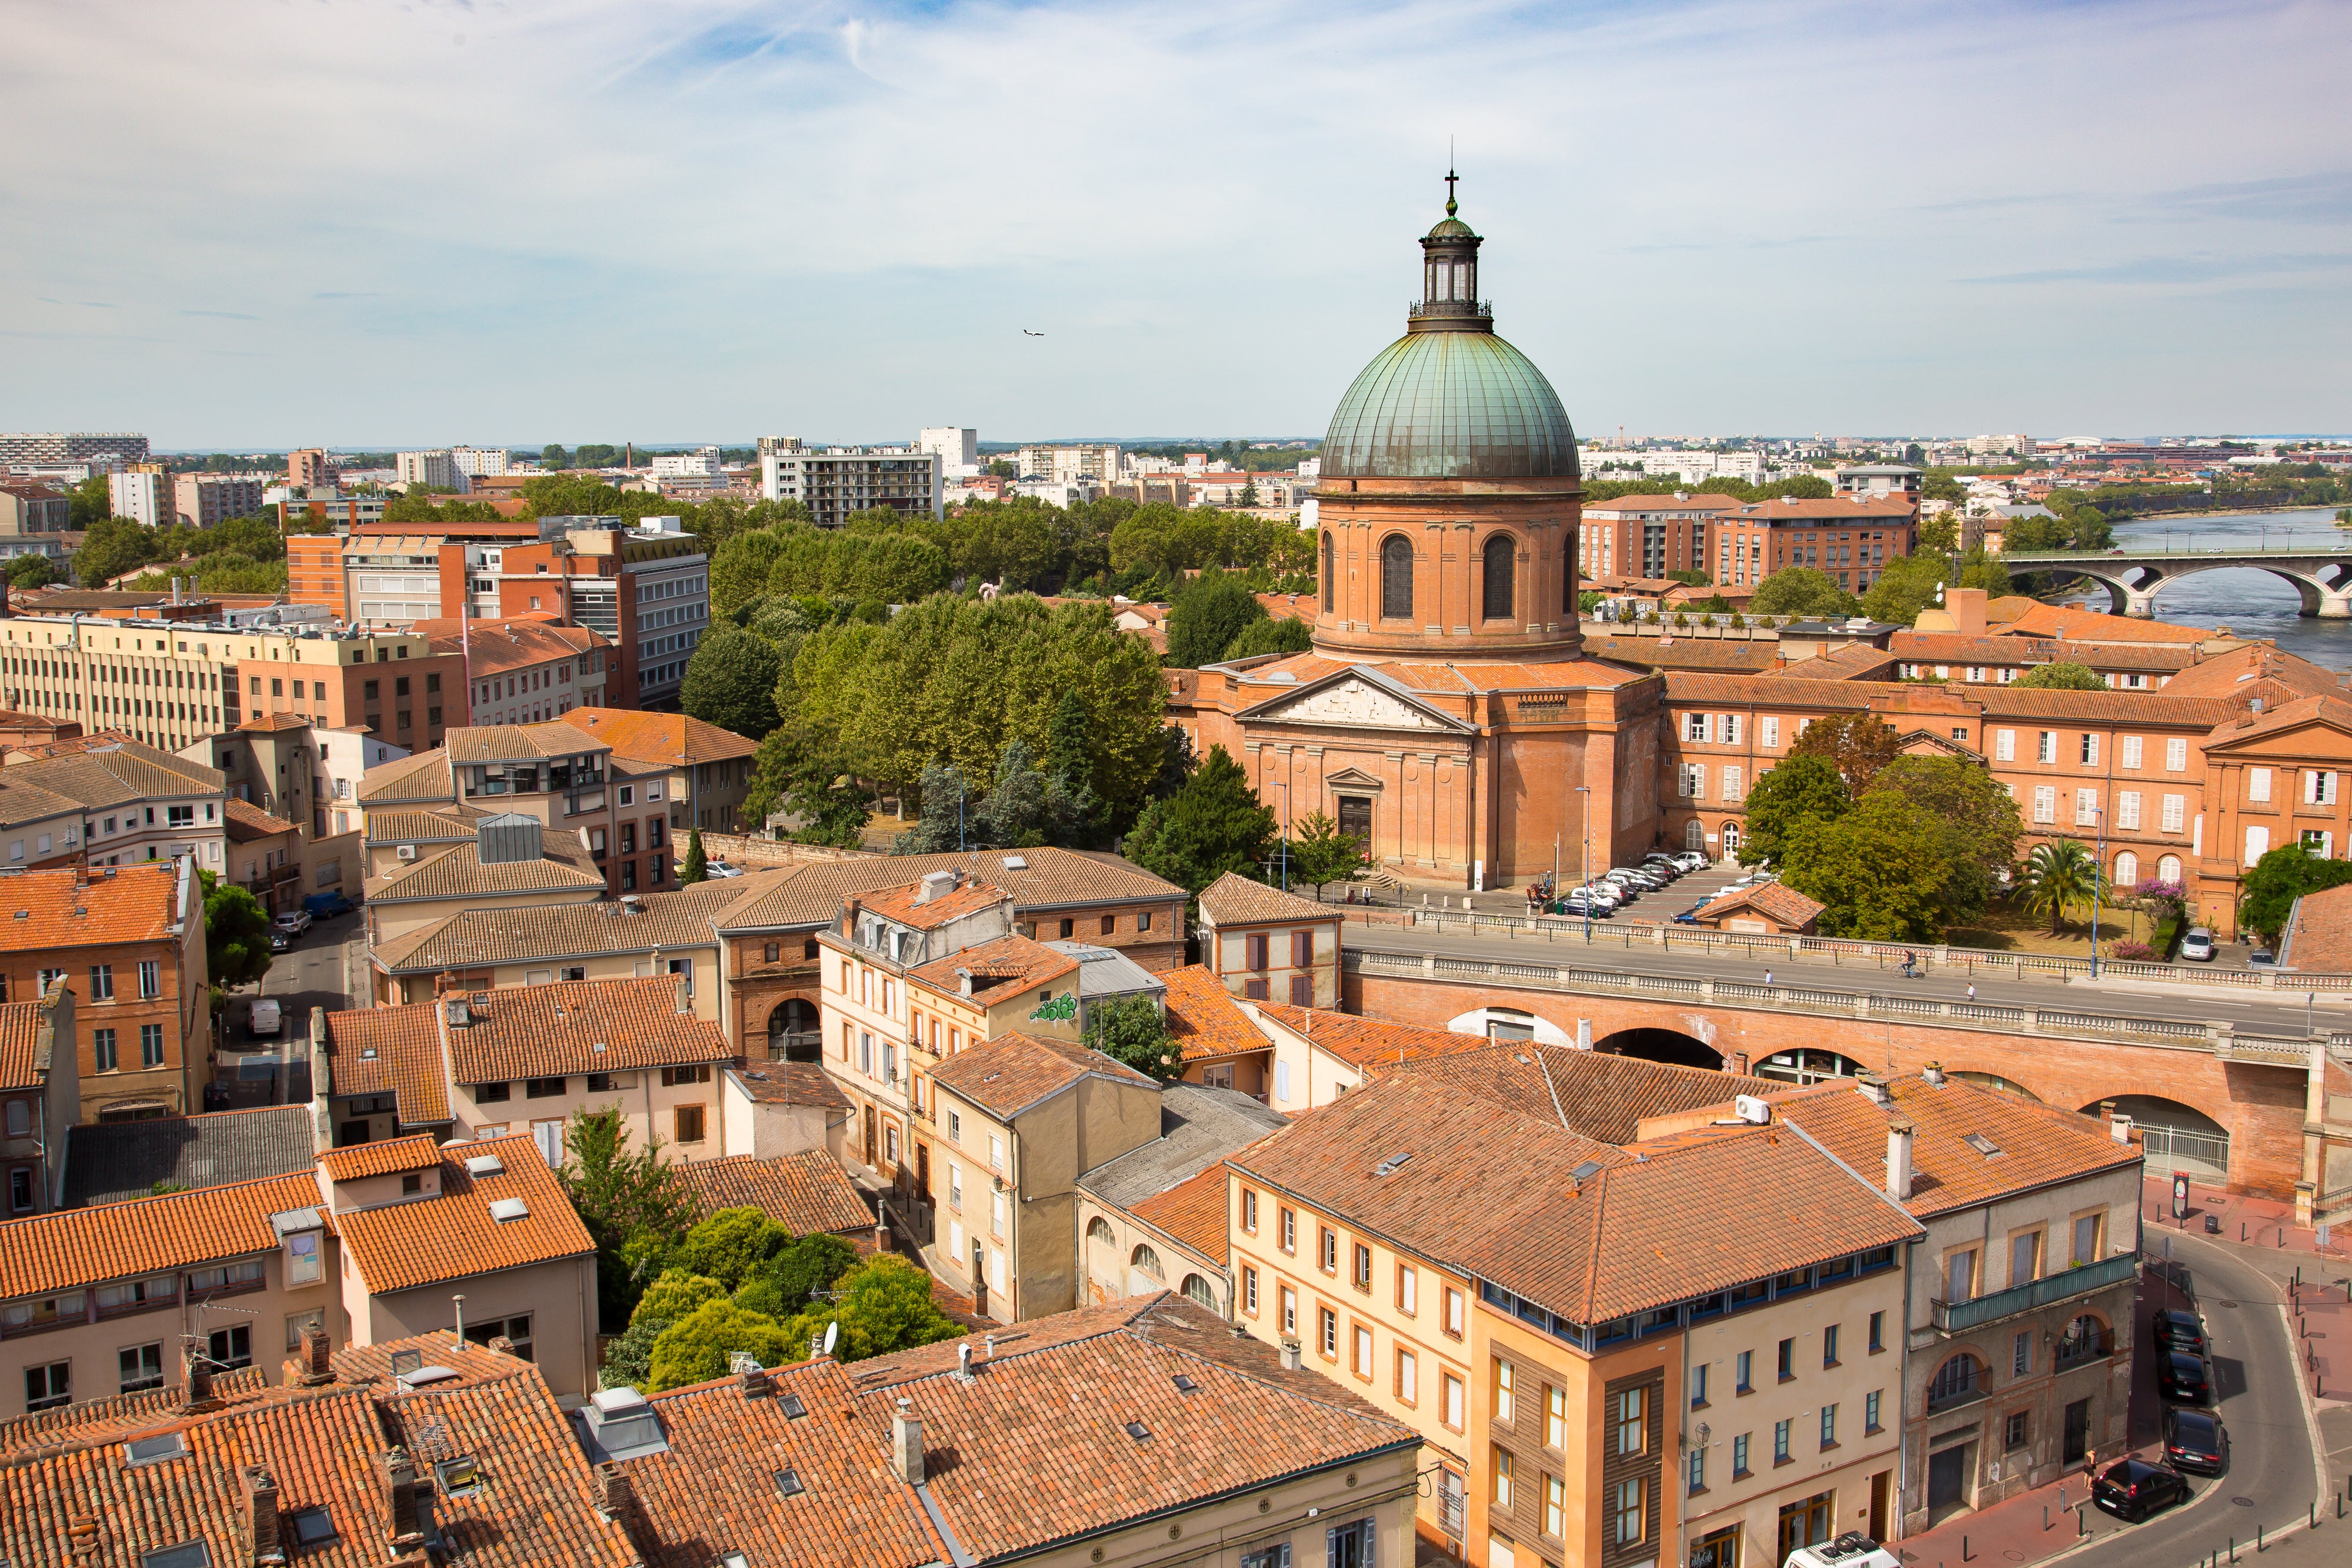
1768 977
1972 990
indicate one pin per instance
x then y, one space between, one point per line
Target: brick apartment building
130 944
523 670
1739 544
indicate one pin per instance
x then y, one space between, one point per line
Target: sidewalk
2258 1223
2031 1527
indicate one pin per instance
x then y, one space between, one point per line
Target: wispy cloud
85 304
831 219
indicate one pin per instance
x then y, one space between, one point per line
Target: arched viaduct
2133 579
2260 1103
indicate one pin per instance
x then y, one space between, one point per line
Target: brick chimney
1966 606
197 1377
260 1496
318 1363
501 1345
613 1493
396 1483
907 1444
1899 1159
849 914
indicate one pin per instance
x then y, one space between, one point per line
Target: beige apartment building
108 800
1267 945
40 1099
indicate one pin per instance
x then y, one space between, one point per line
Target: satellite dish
832 1336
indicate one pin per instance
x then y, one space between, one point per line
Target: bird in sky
1027 333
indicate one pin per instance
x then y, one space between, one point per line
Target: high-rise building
207 500
840 480
142 492
1068 464
307 467
702 463
434 470
476 461
69 446
956 446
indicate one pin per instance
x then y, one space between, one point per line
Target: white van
1852 1550
267 1018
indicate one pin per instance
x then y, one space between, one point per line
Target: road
2271 1014
2273 1475
320 970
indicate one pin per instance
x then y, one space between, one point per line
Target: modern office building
840 480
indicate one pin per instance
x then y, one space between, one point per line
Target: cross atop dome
1450 208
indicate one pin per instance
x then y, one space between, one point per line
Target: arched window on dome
1327 573
1396 579
1501 555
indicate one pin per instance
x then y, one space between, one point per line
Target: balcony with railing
1960 1317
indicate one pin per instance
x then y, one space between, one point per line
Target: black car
2183 1332
2134 1488
2180 1378
2196 1441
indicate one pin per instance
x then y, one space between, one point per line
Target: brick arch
759 1020
1672 1046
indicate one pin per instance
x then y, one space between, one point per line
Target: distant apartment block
1065 464
70 446
207 500
474 462
954 445
142 492
435 470
702 463
307 467
841 480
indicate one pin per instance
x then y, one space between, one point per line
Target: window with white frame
2004 746
2086 807
2257 785
2090 751
2176 756
2129 751
1732 783
2176 811
2258 844
1770 727
2126 810
1695 726
2319 787
1693 781
2046 803
2046 749
1730 728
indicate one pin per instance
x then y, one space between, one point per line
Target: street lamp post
1585 875
2098 877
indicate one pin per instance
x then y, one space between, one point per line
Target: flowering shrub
2132 952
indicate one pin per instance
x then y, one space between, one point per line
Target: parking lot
1689 892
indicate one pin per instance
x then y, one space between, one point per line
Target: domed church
1446 712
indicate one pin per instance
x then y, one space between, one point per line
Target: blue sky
270 221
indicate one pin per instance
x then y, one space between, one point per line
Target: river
2250 603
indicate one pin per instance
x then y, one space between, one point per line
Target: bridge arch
2177 1136
1808 1065
2323 584
1670 1046
1509 1023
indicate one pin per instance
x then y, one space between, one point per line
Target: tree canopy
1876 866
730 681
1132 1029
2058 873
1214 825
1803 590
1973 821
632 1208
2061 675
236 934
1208 613
2272 885
1321 854
1856 744
1801 789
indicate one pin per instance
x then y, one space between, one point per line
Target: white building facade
840 480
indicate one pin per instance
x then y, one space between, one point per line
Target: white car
722 869
1606 894
1852 1550
1691 860
2197 947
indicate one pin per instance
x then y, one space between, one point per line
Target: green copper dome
1450 405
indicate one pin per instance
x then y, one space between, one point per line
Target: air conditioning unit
406 851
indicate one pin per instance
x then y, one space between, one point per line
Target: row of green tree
244 555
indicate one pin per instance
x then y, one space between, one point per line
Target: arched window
1099 1230
1148 1260
1501 555
793 1032
2085 1338
1694 835
1197 1289
1396 579
1954 1382
2168 868
1327 573
2126 870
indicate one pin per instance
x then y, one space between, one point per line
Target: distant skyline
250 225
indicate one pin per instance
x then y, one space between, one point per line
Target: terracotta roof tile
672 740
1368 1044
905 906
1050 879
386 1157
424 777
424 1241
1782 902
22 1063
1204 1018
1235 900
495 647
373 1363
1192 1211
1007 1075
2036 1145
789 1084
550 1031
518 742
396 1051
1013 960
672 920
805 1192
1685 652
113 1417
135 904
1701 501
2318 939
458 873
107 771
452 824
2033 618
247 822
77 1247
2020 652
1603 1095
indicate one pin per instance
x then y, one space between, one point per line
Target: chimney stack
613 1491
1873 1089
752 1383
396 1479
318 1363
963 1362
196 1392
1934 1073
261 1513
849 914
907 1444
1290 1358
1898 1160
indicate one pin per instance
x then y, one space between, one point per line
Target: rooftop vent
503 1209
1982 1145
155 1450
1390 1165
934 885
486 1165
1016 863
622 1425
1749 1108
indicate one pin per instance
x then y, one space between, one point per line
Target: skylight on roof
508 1208
486 1165
1390 1165
186 1554
1138 1430
313 1527
1185 1385
1586 1171
155 1450
788 1481
459 1475
1982 1145
794 1408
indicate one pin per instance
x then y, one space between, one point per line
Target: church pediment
1351 779
1357 701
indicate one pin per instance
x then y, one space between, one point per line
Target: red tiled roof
1007 1075
396 1051
425 1240
550 1031
247 822
1234 900
1203 1017
1007 960
388 1156
1704 501
21 1065
2031 617
805 1192
77 1247
790 1083
1368 1043
670 738
1598 1093
2318 939
907 906
41 910
1192 1211
1781 902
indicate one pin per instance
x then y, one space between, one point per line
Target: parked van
267 1018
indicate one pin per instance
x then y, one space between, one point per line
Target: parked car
1691 860
1852 1550
327 906
1662 864
279 941
294 922
2195 1440
1582 908
2133 1489
1690 916
2260 958
1639 878
1607 895
2197 947
2177 1330
267 1018
2181 1379
722 869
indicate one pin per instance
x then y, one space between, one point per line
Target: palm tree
2056 874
